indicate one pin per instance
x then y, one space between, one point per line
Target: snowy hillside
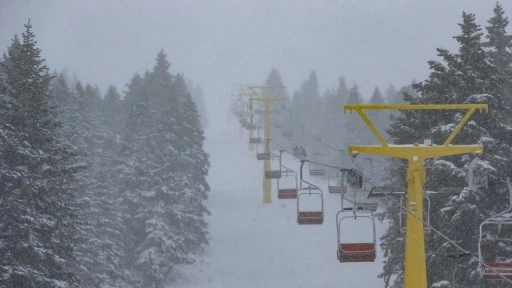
261 245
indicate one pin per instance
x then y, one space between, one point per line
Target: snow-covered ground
261 245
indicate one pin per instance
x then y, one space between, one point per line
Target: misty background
221 43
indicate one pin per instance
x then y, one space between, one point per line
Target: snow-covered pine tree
99 247
162 180
332 125
499 49
465 77
306 108
193 164
198 96
279 110
37 187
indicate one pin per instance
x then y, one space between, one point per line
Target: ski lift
286 193
257 139
403 215
499 269
309 217
355 252
336 186
273 174
264 155
287 134
354 179
316 170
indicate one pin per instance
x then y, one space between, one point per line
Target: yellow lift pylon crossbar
256 96
415 274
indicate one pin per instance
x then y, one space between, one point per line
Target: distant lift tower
257 92
415 268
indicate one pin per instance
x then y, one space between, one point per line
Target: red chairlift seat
356 252
310 217
273 174
335 189
255 140
317 172
263 156
504 268
288 193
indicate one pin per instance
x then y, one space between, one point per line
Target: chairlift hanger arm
470 107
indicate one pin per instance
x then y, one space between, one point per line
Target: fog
217 44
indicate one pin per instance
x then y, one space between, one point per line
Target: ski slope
261 245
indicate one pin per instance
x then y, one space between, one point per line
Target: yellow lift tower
415 268
257 96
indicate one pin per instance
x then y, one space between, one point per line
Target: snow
443 283
261 245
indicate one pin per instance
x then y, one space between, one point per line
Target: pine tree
499 49
37 191
162 181
198 96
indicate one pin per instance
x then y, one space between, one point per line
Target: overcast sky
220 43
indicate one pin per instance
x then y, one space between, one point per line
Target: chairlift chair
263 156
255 140
287 193
287 134
274 174
316 170
354 179
309 217
291 192
496 270
335 186
355 252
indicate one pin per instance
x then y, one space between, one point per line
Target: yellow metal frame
267 183
415 275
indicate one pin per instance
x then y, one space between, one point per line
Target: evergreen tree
162 181
499 49
37 190
100 246
198 96
280 111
